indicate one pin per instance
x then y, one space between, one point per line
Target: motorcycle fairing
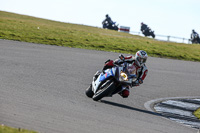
107 74
102 77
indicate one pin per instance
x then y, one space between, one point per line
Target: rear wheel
104 90
153 35
116 28
89 91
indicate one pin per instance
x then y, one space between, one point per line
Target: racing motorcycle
112 26
148 32
112 81
195 39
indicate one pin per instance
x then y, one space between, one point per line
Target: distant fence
166 38
158 37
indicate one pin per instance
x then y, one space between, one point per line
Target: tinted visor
141 60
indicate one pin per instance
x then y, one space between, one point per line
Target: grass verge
197 113
37 30
6 129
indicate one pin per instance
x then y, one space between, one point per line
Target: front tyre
104 90
104 26
89 91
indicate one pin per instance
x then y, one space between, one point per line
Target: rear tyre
153 35
89 91
104 90
116 28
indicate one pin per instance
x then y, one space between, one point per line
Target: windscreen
131 69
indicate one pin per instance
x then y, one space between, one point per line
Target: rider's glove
107 61
118 62
140 81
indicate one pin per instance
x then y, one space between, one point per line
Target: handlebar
122 57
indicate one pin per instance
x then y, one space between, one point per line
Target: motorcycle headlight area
123 76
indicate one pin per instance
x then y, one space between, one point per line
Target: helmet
107 15
140 58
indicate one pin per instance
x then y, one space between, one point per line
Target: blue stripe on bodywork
106 75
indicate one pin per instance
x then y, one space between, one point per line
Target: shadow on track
165 115
129 107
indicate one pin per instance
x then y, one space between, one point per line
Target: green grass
37 30
197 113
6 129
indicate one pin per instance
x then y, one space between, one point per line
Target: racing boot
125 92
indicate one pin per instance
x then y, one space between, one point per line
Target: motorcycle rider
144 27
108 20
138 62
195 36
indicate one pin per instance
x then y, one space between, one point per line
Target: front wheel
104 26
89 91
104 90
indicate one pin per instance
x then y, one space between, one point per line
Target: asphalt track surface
42 88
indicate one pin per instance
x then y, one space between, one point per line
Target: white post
168 38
